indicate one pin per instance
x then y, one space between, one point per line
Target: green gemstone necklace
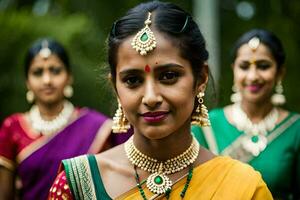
158 182
168 192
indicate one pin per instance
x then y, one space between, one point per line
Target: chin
154 133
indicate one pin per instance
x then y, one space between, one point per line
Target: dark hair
168 19
55 48
267 38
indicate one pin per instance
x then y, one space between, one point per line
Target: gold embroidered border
81 178
10 165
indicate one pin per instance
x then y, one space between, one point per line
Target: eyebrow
157 68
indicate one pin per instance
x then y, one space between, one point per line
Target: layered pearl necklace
158 182
254 139
47 127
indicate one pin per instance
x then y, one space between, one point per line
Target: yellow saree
220 178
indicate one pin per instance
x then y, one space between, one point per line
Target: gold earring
236 95
29 96
200 115
278 98
68 91
120 123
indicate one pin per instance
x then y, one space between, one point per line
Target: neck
51 110
256 112
165 148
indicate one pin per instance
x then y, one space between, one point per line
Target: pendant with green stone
158 183
144 37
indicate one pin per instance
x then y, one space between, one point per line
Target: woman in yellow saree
158 67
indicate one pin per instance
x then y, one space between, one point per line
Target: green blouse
279 163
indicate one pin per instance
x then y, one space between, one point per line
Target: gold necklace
158 182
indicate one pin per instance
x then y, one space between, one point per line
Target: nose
152 97
46 78
252 74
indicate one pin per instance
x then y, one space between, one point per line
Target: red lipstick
154 117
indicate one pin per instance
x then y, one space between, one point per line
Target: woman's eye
56 70
244 66
263 65
169 77
37 72
132 81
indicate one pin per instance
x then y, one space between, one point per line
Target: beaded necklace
47 127
254 138
158 182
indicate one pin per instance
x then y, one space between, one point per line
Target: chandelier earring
200 115
68 91
236 95
29 96
120 123
278 98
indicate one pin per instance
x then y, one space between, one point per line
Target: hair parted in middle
168 19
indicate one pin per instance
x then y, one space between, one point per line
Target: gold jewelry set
277 99
158 182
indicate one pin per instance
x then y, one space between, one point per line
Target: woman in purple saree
32 144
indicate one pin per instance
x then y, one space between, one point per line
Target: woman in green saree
158 67
255 129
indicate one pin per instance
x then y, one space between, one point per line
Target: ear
109 77
202 81
27 85
70 79
281 73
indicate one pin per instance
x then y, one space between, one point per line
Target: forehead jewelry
147 68
45 52
144 41
254 43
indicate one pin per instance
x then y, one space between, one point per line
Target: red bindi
147 68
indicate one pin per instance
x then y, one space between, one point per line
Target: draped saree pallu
37 162
277 162
215 179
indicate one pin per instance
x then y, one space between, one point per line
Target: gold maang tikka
45 52
144 41
254 43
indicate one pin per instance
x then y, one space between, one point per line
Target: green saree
279 163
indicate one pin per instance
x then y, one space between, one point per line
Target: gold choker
158 182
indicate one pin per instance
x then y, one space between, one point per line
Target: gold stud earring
278 97
120 123
29 96
200 115
68 91
144 41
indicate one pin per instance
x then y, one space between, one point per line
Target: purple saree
38 167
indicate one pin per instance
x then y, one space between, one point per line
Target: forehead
262 52
165 52
39 61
